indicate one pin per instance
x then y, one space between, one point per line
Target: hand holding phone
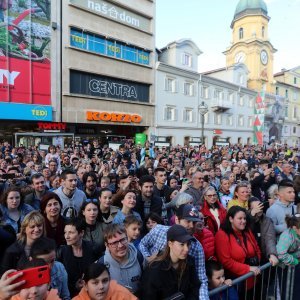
33 276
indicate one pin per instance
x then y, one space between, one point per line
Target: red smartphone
33 277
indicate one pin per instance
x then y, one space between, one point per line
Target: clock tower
251 45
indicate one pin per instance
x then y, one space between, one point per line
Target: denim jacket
6 220
59 280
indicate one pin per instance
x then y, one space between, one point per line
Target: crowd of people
143 222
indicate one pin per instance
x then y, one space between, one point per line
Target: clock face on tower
240 57
264 57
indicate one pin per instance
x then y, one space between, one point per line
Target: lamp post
203 109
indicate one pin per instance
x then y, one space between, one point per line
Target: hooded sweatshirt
115 292
71 206
127 274
277 213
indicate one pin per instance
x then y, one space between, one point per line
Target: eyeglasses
115 244
92 201
211 196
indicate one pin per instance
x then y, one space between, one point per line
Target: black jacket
14 255
160 281
75 266
155 206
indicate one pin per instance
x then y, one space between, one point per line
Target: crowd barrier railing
274 283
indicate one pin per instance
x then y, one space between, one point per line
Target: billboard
25 66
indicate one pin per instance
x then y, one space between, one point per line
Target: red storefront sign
25 81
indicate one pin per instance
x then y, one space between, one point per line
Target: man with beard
90 185
156 240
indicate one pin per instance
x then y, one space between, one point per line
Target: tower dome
245 7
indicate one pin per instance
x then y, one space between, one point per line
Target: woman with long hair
173 272
107 210
89 212
32 228
51 207
236 246
13 208
212 210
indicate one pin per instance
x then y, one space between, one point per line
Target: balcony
220 105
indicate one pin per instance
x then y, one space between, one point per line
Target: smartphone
33 276
184 180
8 176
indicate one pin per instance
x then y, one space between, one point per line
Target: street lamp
203 109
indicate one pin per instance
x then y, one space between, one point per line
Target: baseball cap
188 212
178 233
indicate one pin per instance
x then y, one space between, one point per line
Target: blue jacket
59 280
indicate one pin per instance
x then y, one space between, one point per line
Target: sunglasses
95 201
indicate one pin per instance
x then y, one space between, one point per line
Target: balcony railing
221 105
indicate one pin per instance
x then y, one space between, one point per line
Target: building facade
181 91
287 86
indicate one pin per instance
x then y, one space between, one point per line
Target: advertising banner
114 12
107 87
25 69
108 47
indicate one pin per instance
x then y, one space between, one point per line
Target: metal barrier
274 283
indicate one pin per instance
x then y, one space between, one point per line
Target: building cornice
160 66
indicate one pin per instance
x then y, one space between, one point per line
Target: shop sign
106 87
52 126
14 111
113 117
114 12
217 131
108 47
25 66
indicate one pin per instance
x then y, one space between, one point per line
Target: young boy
40 292
133 227
216 278
45 248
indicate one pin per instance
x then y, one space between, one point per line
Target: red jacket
231 252
207 240
210 220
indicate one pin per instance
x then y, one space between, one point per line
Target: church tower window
241 33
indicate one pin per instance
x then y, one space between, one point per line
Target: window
251 102
170 113
205 92
277 90
241 102
231 97
286 112
240 78
218 119
188 88
250 122
187 59
171 84
294 129
263 31
241 33
286 129
295 95
295 112
229 120
241 120
188 115
286 93
219 94
295 80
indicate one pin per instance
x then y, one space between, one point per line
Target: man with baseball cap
156 240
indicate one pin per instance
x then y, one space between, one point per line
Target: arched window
263 31
241 33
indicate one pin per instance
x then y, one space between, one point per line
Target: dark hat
178 233
188 212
